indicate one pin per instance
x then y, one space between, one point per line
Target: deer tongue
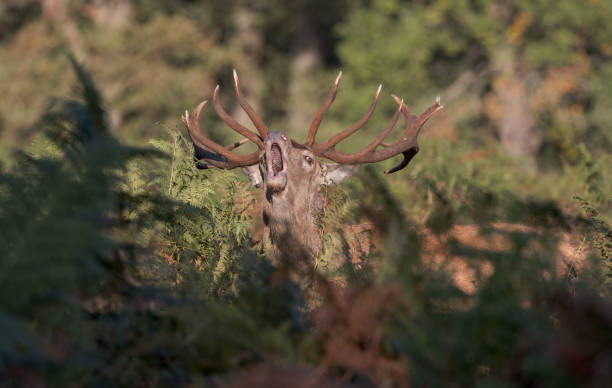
276 159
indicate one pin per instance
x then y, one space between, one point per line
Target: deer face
285 165
290 172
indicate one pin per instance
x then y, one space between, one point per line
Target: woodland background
121 264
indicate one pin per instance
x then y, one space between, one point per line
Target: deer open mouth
276 169
276 159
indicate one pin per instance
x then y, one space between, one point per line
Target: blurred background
533 77
486 262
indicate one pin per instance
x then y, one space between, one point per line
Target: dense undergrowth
126 266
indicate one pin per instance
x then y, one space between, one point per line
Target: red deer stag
291 172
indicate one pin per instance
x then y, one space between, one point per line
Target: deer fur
290 211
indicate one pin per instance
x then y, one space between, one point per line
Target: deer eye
308 159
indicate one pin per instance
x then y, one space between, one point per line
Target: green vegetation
122 264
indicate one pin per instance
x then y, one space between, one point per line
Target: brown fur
289 214
292 200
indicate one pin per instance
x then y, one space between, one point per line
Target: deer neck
290 217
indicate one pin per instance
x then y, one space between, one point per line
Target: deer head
292 173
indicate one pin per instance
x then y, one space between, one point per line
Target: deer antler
314 126
216 154
261 127
406 145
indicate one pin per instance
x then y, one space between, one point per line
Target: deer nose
277 136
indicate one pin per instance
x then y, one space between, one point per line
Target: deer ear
252 172
334 174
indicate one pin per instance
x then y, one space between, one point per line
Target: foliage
121 263
599 234
85 297
461 50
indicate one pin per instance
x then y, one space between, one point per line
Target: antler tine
259 124
361 156
236 144
236 126
314 126
353 128
420 121
406 145
215 154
